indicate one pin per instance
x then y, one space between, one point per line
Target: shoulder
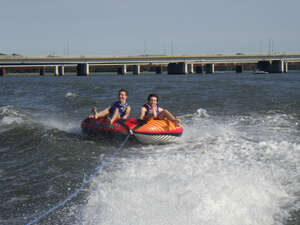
145 106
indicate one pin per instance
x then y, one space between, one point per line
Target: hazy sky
135 27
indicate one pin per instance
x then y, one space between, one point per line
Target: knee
165 111
116 112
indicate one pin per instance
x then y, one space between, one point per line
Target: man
151 110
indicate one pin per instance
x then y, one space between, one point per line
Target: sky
153 27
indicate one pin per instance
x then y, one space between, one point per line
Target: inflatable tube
150 132
158 132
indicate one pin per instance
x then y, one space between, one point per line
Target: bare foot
108 122
177 122
94 113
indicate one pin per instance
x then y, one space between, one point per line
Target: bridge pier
199 69
264 66
42 71
123 70
177 68
136 69
83 69
61 70
210 68
239 68
159 69
286 67
2 71
56 71
277 66
190 68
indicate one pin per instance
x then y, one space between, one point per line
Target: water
237 163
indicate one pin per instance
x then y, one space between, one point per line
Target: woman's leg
116 115
102 113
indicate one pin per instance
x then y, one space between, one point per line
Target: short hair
123 90
152 95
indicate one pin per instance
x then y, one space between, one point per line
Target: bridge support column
210 68
190 68
83 69
56 71
2 71
159 69
199 69
86 69
137 69
286 67
177 68
277 66
124 70
239 68
61 70
264 66
42 71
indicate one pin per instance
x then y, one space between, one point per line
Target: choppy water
238 161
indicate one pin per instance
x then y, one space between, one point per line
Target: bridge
272 63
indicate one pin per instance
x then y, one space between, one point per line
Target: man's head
152 99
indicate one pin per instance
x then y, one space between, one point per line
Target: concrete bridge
275 63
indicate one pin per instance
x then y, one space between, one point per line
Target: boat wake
231 170
11 116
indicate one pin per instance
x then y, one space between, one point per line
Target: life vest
122 108
150 110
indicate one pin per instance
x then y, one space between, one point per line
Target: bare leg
115 116
95 114
103 113
165 114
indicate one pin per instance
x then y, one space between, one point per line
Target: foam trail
61 124
9 115
161 191
215 176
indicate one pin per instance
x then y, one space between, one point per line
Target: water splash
10 115
70 94
216 176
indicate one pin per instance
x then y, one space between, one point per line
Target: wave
227 170
11 116
70 94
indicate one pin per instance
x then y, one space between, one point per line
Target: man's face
153 101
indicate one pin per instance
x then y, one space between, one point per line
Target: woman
118 110
151 110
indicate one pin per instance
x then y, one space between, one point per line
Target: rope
75 193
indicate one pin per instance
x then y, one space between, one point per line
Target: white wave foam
70 94
183 190
201 113
8 120
226 171
61 124
9 115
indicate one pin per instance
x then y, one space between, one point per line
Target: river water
238 162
